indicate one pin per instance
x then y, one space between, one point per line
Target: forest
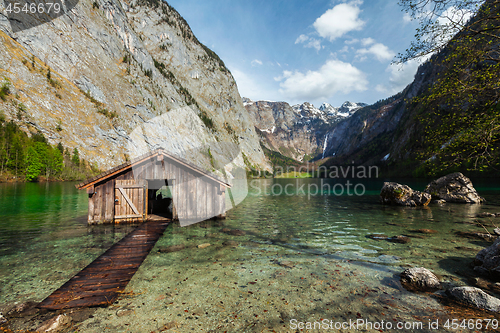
32 158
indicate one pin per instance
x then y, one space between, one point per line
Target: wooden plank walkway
102 281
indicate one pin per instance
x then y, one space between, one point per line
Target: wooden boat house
156 185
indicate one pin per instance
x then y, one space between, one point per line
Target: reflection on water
305 256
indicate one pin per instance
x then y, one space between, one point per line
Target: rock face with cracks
116 66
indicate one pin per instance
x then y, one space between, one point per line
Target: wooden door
131 199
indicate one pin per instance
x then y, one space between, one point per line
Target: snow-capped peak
350 107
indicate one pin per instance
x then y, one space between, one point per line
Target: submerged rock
402 195
419 279
172 248
486 214
25 308
426 231
230 243
487 261
474 297
485 284
454 187
399 239
476 235
55 324
378 236
233 232
439 201
285 263
169 325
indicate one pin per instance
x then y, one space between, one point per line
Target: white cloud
248 87
367 41
339 20
311 42
352 41
344 49
452 20
379 50
407 18
333 77
400 76
381 88
301 39
256 62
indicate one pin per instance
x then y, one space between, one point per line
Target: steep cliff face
369 135
116 66
298 131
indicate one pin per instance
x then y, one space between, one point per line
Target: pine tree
33 164
75 159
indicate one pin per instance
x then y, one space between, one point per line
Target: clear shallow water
302 257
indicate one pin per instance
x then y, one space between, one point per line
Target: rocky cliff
369 135
297 131
445 121
91 76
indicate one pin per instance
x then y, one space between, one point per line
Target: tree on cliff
440 20
460 111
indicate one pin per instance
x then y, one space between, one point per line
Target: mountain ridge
296 131
115 66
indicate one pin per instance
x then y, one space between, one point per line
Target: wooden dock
102 281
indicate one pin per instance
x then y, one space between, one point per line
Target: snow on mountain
296 131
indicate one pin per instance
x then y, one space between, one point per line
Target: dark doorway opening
160 203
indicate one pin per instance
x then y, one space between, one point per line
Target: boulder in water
487 261
474 297
396 194
454 187
419 279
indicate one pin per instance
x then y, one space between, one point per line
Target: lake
305 257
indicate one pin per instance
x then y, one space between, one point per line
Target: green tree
56 162
60 147
33 164
75 159
459 113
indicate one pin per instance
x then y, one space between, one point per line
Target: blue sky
315 50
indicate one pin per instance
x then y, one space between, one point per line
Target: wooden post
91 208
172 183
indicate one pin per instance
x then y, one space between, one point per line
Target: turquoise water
303 257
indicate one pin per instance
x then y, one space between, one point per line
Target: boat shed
155 186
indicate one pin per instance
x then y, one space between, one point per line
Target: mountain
91 77
445 121
296 131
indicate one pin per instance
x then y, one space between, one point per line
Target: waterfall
324 145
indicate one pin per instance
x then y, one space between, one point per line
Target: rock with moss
402 195
454 187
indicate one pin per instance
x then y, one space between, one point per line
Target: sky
307 50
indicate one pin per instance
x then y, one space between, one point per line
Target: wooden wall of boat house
195 196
